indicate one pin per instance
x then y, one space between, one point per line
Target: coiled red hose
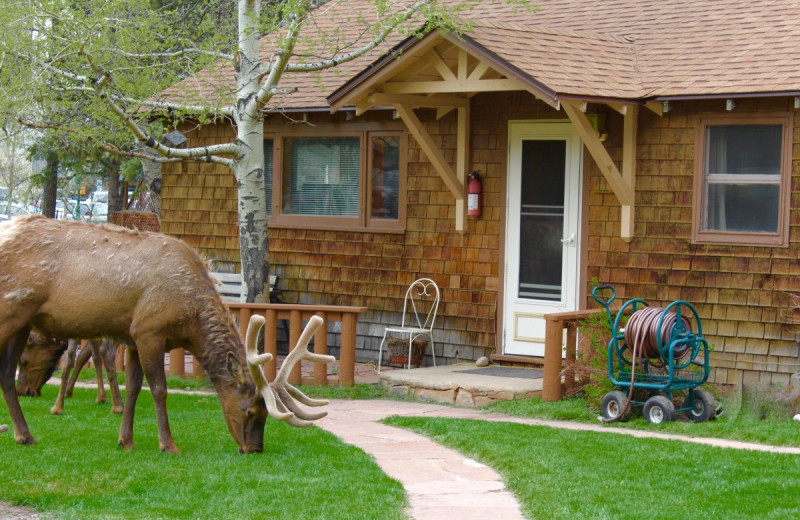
641 333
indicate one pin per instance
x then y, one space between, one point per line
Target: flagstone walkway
442 483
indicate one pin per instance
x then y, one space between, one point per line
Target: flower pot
398 351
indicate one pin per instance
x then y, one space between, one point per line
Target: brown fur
37 363
41 356
71 279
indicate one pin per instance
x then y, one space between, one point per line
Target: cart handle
605 303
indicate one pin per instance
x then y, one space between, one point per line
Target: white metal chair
419 314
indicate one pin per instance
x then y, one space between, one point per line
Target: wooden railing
295 314
555 323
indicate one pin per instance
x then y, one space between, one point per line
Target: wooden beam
362 105
433 153
479 70
619 107
447 87
656 107
462 64
621 189
462 163
441 67
418 101
627 219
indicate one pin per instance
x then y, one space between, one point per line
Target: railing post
295 324
271 343
321 347
119 361
571 355
197 368
176 358
244 322
551 378
347 350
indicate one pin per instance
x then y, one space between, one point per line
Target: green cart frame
662 378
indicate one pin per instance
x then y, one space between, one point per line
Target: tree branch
377 40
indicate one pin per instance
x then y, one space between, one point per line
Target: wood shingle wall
739 291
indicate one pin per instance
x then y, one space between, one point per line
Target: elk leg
133 385
58 407
153 365
80 361
108 352
98 366
9 357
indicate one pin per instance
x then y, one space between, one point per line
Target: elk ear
236 370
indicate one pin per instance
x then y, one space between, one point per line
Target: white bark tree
101 62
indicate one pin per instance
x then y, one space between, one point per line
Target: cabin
647 144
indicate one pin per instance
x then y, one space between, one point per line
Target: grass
76 471
577 475
752 416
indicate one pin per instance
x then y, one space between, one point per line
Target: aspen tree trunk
249 167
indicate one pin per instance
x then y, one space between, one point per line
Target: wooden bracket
622 184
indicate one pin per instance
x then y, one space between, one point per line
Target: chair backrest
421 304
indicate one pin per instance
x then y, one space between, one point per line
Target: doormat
523 373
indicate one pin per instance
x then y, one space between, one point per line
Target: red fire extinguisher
474 189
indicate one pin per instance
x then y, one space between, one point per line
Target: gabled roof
625 49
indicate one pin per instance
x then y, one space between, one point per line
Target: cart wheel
704 407
658 409
613 405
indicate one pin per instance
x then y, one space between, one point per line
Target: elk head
280 397
37 363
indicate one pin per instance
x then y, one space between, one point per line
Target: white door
542 231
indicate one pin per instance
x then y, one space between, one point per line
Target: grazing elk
147 289
40 358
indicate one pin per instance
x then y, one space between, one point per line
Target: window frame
364 221
778 238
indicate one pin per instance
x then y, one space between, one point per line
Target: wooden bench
230 287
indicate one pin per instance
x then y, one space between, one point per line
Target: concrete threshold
462 385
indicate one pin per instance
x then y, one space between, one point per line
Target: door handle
569 241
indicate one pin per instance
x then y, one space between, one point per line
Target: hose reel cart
657 352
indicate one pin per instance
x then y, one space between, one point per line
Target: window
742 180
343 181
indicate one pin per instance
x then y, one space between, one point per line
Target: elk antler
280 396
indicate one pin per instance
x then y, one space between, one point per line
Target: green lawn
561 474
77 471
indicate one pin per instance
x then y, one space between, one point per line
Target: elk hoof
56 411
26 441
116 409
125 445
172 450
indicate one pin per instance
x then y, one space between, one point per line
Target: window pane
742 178
743 207
268 173
321 176
385 179
744 149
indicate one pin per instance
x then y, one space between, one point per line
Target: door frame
559 127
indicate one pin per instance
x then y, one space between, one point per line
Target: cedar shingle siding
739 291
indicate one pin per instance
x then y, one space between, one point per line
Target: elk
146 289
40 358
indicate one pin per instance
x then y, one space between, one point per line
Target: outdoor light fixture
797 102
175 139
730 104
666 106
